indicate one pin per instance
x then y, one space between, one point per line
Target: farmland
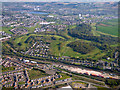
108 27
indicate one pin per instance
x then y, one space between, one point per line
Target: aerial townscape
58 45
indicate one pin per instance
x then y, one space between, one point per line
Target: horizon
59 1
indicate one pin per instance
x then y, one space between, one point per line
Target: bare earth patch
104 25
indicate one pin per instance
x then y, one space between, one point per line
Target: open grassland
95 33
108 27
31 29
5 69
64 50
34 74
7 30
64 76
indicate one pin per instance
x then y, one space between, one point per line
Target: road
92 83
59 83
89 79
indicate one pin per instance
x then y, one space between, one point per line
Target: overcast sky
57 0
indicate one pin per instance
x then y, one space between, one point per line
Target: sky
58 0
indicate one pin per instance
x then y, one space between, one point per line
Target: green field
34 74
21 82
108 27
7 30
5 69
67 51
64 76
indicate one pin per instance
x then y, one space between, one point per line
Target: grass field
31 29
95 33
34 74
67 51
64 76
108 27
5 69
21 83
7 30
101 88
21 40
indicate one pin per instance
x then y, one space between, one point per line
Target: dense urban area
55 45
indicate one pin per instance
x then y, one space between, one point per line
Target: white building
50 16
26 61
33 62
